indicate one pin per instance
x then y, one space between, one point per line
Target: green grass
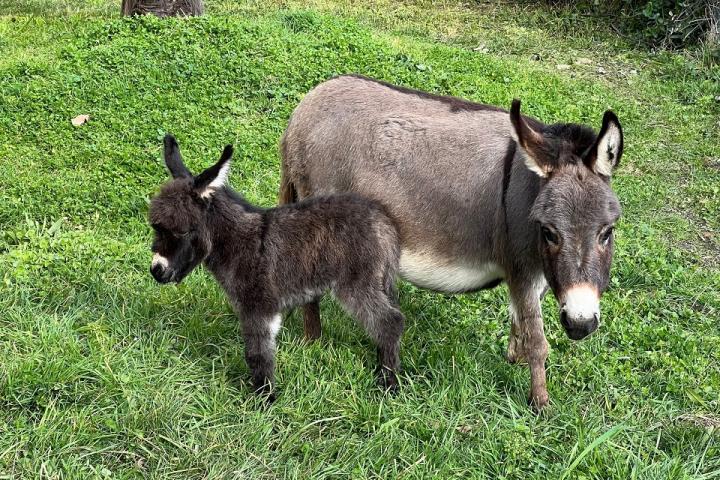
105 374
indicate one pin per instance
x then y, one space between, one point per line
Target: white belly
427 271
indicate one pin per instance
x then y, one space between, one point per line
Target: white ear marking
531 164
608 150
218 182
529 161
514 134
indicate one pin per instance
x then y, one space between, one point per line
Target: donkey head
179 215
575 210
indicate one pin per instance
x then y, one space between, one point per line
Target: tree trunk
713 34
162 8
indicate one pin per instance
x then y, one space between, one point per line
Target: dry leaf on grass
80 120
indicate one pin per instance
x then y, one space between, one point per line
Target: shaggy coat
269 260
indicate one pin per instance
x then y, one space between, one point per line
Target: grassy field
105 374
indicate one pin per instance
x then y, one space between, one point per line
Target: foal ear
530 141
173 160
216 176
604 156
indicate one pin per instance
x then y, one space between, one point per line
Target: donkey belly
435 273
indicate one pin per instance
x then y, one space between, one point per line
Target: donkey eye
606 235
182 234
549 236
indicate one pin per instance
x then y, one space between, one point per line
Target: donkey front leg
528 342
260 332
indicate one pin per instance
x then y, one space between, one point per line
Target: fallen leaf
583 61
465 429
562 66
80 120
601 71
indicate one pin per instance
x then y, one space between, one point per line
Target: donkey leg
528 342
311 320
259 333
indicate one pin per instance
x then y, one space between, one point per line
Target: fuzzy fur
269 260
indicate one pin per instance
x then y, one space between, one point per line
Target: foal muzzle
160 269
161 275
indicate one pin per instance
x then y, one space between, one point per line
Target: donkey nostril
157 272
563 319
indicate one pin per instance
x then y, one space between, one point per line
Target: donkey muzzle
580 311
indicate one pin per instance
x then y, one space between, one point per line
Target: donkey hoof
539 402
514 354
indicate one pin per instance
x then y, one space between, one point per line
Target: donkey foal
268 260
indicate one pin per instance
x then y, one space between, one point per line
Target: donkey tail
287 193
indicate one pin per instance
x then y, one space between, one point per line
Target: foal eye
606 235
549 236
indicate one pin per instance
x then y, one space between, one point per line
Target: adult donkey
479 196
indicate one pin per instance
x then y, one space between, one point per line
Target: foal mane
237 199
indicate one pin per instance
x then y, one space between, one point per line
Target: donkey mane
456 104
579 136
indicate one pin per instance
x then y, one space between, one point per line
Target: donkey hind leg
377 312
311 320
259 333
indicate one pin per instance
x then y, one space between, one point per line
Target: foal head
178 215
574 212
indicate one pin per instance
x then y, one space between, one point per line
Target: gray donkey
480 195
268 260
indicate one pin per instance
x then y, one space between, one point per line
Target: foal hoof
387 380
266 393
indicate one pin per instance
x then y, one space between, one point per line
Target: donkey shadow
209 333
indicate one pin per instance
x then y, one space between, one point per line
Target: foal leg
377 312
260 332
389 331
527 339
311 320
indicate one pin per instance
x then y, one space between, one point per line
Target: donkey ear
173 160
530 141
216 176
604 156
